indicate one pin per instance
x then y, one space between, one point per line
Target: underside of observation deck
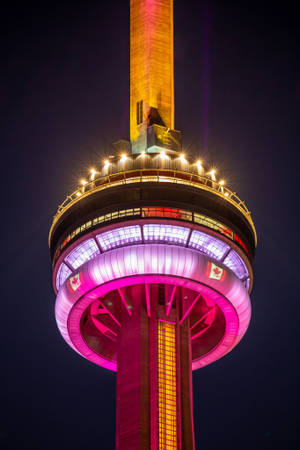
105 320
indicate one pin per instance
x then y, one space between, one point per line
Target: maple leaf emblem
75 282
216 271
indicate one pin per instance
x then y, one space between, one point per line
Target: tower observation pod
152 256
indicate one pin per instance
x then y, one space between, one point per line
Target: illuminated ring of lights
96 235
152 263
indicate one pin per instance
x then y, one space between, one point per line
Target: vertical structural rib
151 64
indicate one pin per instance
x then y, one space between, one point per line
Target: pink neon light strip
171 301
202 318
189 308
199 334
167 321
109 313
124 301
148 300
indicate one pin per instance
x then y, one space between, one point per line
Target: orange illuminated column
151 66
167 386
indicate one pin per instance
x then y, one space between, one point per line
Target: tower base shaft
154 376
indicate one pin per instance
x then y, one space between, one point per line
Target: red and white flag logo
75 282
215 272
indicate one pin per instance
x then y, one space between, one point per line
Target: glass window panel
119 236
234 262
62 274
169 233
82 253
208 244
247 284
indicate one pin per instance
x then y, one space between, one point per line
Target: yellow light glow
182 157
106 164
199 164
143 154
78 194
93 173
123 157
222 182
212 173
83 182
167 389
226 194
163 155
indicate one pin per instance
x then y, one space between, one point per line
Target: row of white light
162 155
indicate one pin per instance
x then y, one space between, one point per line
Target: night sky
64 98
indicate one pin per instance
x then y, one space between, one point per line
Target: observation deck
145 168
146 230
159 189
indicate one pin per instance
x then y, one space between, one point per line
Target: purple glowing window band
62 275
236 264
118 237
82 253
167 233
208 244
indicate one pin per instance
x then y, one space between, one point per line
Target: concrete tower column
154 376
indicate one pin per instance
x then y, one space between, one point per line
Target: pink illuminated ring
152 263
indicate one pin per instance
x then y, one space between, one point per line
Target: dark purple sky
63 99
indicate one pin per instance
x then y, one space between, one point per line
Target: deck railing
153 175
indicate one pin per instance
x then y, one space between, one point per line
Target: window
234 262
62 275
169 233
119 237
208 244
82 253
139 112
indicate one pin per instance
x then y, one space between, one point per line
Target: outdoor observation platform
147 180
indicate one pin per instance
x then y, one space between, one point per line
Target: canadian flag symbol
215 272
75 282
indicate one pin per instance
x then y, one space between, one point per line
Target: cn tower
152 256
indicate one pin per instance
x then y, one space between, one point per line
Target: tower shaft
151 66
154 379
